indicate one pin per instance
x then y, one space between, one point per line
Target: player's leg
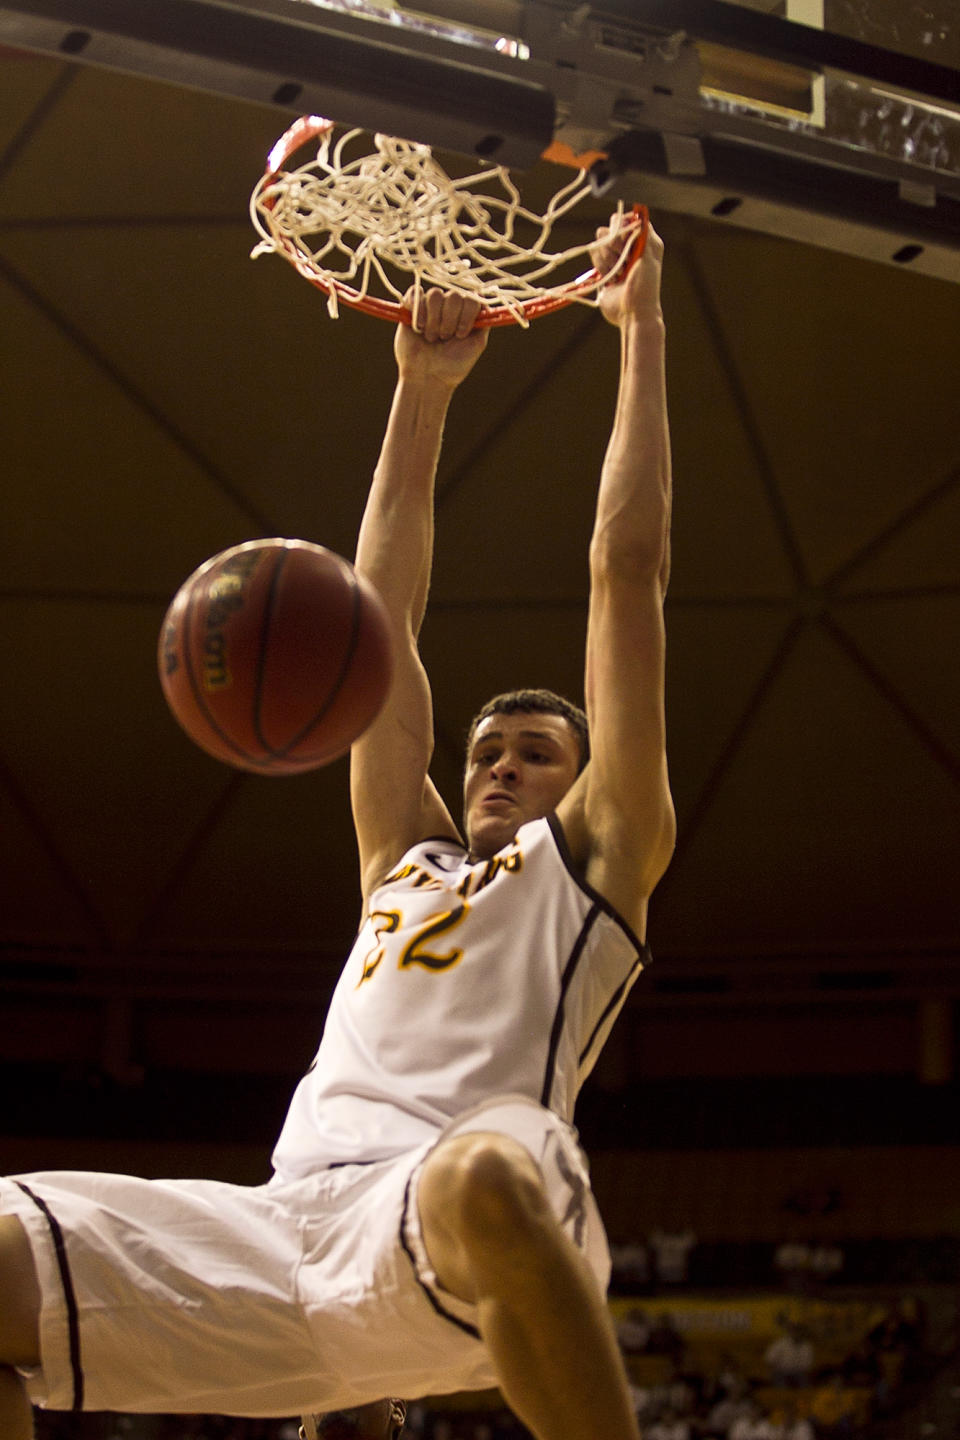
493 1240
200 1272
19 1314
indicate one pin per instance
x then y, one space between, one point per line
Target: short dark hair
537 702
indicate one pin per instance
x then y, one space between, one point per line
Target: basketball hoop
354 225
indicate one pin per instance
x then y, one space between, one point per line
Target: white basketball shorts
199 1297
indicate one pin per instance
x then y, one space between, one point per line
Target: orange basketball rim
365 225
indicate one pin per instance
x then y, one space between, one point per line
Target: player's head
524 751
380 1420
537 702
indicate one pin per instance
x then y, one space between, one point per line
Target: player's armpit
619 816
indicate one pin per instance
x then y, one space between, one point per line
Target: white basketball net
349 224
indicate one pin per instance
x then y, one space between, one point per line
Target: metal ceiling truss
710 103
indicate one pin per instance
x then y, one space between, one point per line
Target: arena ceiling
163 397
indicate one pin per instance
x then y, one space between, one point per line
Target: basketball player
429 1226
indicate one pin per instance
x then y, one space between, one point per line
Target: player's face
380 1420
520 767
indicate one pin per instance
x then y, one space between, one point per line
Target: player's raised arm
394 801
619 816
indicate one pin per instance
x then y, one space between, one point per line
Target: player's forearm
395 546
632 527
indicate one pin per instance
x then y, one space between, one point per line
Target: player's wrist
428 378
643 329
424 402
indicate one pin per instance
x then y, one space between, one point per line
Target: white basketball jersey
469 979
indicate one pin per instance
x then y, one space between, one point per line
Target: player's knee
496 1191
20 1292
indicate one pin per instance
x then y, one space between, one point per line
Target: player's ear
398 1418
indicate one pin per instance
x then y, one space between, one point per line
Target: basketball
275 656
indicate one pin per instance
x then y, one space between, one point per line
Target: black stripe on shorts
69 1296
434 1301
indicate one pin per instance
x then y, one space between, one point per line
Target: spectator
631 1264
826 1262
861 1368
672 1425
833 1408
767 1427
665 1338
899 1334
794 1425
633 1331
728 1397
728 1379
741 1427
681 1395
753 1424
790 1357
640 1395
793 1260
671 1254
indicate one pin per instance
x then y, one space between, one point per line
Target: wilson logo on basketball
225 598
215 672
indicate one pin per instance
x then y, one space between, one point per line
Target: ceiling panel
833 830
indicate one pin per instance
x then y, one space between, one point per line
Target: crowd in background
792 1392
798 1265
